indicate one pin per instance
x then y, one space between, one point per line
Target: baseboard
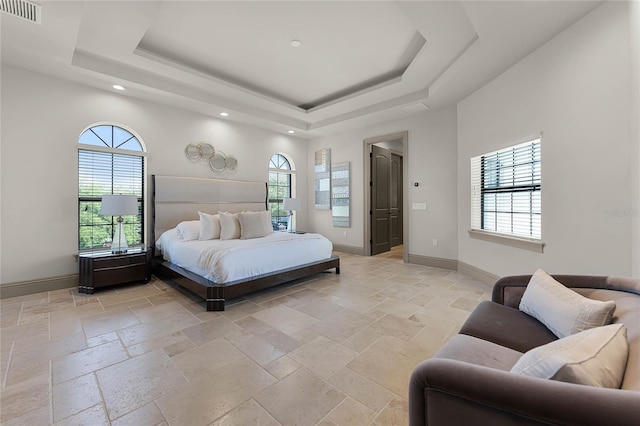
349 249
435 262
23 288
477 273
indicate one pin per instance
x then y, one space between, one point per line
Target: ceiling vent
22 9
415 108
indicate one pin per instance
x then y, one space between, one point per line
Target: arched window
281 185
110 161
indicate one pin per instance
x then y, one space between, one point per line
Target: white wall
431 161
42 118
576 90
634 36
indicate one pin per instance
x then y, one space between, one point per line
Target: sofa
469 380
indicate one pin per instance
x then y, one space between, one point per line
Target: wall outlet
435 242
344 233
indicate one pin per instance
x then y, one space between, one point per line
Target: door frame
366 147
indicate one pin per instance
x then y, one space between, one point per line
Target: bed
216 270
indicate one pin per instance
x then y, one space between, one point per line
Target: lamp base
119 243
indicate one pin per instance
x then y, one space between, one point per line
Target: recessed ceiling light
296 43
224 114
117 87
291 131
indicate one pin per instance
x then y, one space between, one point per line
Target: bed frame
174 199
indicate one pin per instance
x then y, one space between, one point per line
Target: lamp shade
290 204
118 205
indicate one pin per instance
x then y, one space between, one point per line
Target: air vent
22 9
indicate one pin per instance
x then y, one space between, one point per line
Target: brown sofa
468 381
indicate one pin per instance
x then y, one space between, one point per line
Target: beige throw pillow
595 357
562 310
251 225
229 226
266 217
209 226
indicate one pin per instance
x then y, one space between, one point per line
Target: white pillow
266 217
209 226
188 230
251 225
229 226
562 310
595 357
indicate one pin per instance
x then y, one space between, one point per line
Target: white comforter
223 261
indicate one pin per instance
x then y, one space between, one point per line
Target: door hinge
370 183
370 212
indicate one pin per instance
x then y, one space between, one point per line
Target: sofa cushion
561 309
595 357
507 327
479 352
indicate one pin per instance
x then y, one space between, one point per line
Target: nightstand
101 269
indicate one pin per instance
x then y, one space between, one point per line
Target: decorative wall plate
206 150
192 152
217 162
231 162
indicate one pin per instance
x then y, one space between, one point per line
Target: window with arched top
281 186
110 162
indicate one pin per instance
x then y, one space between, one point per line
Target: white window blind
106 171
506 191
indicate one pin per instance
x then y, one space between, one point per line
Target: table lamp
291 204
119 205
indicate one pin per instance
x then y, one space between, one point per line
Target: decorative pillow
209 226
595 357
229 226
562 310
266 217
188 230
251 225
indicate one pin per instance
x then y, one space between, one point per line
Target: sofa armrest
445 392
509 290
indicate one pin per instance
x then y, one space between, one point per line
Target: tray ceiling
359 62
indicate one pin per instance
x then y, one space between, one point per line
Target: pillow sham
251 225
561 309
209 226
594 357
266 217
188 230
229 226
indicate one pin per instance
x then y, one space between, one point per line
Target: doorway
385 212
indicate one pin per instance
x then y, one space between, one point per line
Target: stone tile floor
327 350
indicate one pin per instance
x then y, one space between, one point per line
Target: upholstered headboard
176 198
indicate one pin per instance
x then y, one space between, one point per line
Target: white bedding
224 261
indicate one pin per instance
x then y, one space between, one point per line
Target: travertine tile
65 396
25 397
206 359
360 388
285 319
249 413
323 356
282 367
301 398
129 385
153 350
211 397
107 322
82 362
94 416
148 414
351 412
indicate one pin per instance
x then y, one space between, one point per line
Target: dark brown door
380 200
396 200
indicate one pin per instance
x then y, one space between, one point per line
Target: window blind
102 173
509 197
